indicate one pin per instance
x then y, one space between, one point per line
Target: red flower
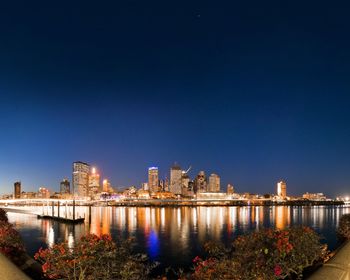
45 267
278 270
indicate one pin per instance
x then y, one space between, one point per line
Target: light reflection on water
174 236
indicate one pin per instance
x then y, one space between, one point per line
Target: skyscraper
214 183
94 182
65 186
176 179
185 184
17 190
282 189
106 186
81 171
200 182
153 179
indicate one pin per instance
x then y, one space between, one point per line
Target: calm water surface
174 236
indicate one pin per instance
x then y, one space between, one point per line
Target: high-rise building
185 184
106 186
81 171
65 186
200 182
176 179
17 190
153 179
94 182
214 183
166 184
282 189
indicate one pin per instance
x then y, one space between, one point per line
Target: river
175 235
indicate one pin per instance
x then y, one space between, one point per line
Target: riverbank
193 203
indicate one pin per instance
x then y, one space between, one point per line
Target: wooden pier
62 219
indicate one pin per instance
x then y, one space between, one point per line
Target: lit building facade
81 171
214 183
230 189
153 179
176 180
200 182
94 182
65 186
282 189
43 193
17 190
185 184
106 186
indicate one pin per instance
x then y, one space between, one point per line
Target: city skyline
256 93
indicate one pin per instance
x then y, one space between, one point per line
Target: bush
344 227
3 216
11 244
93 257
267 254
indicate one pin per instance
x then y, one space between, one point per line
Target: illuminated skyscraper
94 182
176 179
282 189
81 171
17 190
106 186
200 182
65 186
214 183
153 179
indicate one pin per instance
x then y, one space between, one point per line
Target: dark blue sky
255 91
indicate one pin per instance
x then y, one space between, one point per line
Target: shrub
93 257
11 243
3 216
267 254
344 227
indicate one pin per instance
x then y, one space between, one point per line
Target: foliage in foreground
267 254
11 244
93 257
344 227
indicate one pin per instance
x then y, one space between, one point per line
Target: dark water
174 236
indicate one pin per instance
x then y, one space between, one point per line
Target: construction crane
188 170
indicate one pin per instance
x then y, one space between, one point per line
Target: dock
62 219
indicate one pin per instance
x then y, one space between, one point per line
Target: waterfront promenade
337 268
9 271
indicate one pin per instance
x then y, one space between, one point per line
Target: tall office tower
176 179
185 183
161 185
166 184
214 183
94 182
81 171
65 186
153 182
17 190
230 189
200 182
106 186
282 189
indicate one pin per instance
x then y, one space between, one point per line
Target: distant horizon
254 92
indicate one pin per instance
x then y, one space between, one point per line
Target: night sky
255 91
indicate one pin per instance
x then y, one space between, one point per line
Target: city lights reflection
181 231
